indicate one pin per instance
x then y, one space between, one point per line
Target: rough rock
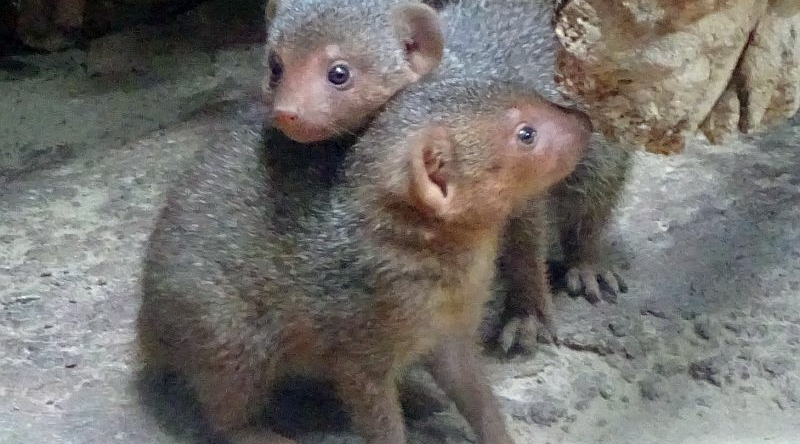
769 69
587 386
651 72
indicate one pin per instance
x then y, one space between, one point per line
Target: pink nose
284 118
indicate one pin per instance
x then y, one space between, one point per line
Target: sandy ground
703 348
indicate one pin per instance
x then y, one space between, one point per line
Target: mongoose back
388 262
332 64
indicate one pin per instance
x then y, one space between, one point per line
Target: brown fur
264 265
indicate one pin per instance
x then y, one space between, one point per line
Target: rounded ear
418 29
430 170
271 10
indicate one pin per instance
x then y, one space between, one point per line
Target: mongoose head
467 152
332 64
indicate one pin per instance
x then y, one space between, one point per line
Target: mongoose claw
595 285
524 333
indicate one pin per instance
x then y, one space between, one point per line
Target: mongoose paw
523 333
595 284
420 401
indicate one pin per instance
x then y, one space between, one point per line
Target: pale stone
649 72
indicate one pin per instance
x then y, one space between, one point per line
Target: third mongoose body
264 264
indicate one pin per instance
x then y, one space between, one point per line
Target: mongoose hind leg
582 208
586 275
527 317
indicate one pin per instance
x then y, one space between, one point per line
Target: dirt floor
703 348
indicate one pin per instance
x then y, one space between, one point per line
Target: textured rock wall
652 72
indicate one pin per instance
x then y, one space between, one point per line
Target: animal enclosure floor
705 346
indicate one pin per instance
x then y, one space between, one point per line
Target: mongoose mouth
299 131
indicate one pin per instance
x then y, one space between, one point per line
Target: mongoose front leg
585 273
373 406
582 207
528 308
456 369
231 400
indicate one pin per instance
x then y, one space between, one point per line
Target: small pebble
688 314
651 388
547 411
705 327
620 327
633 349
707 369
669 366
778 366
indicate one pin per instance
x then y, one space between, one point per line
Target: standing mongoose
514 40
332 64
264 265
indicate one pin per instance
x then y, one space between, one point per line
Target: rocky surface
703 348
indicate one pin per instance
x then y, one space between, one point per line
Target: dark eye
526 134
339 74
275 69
